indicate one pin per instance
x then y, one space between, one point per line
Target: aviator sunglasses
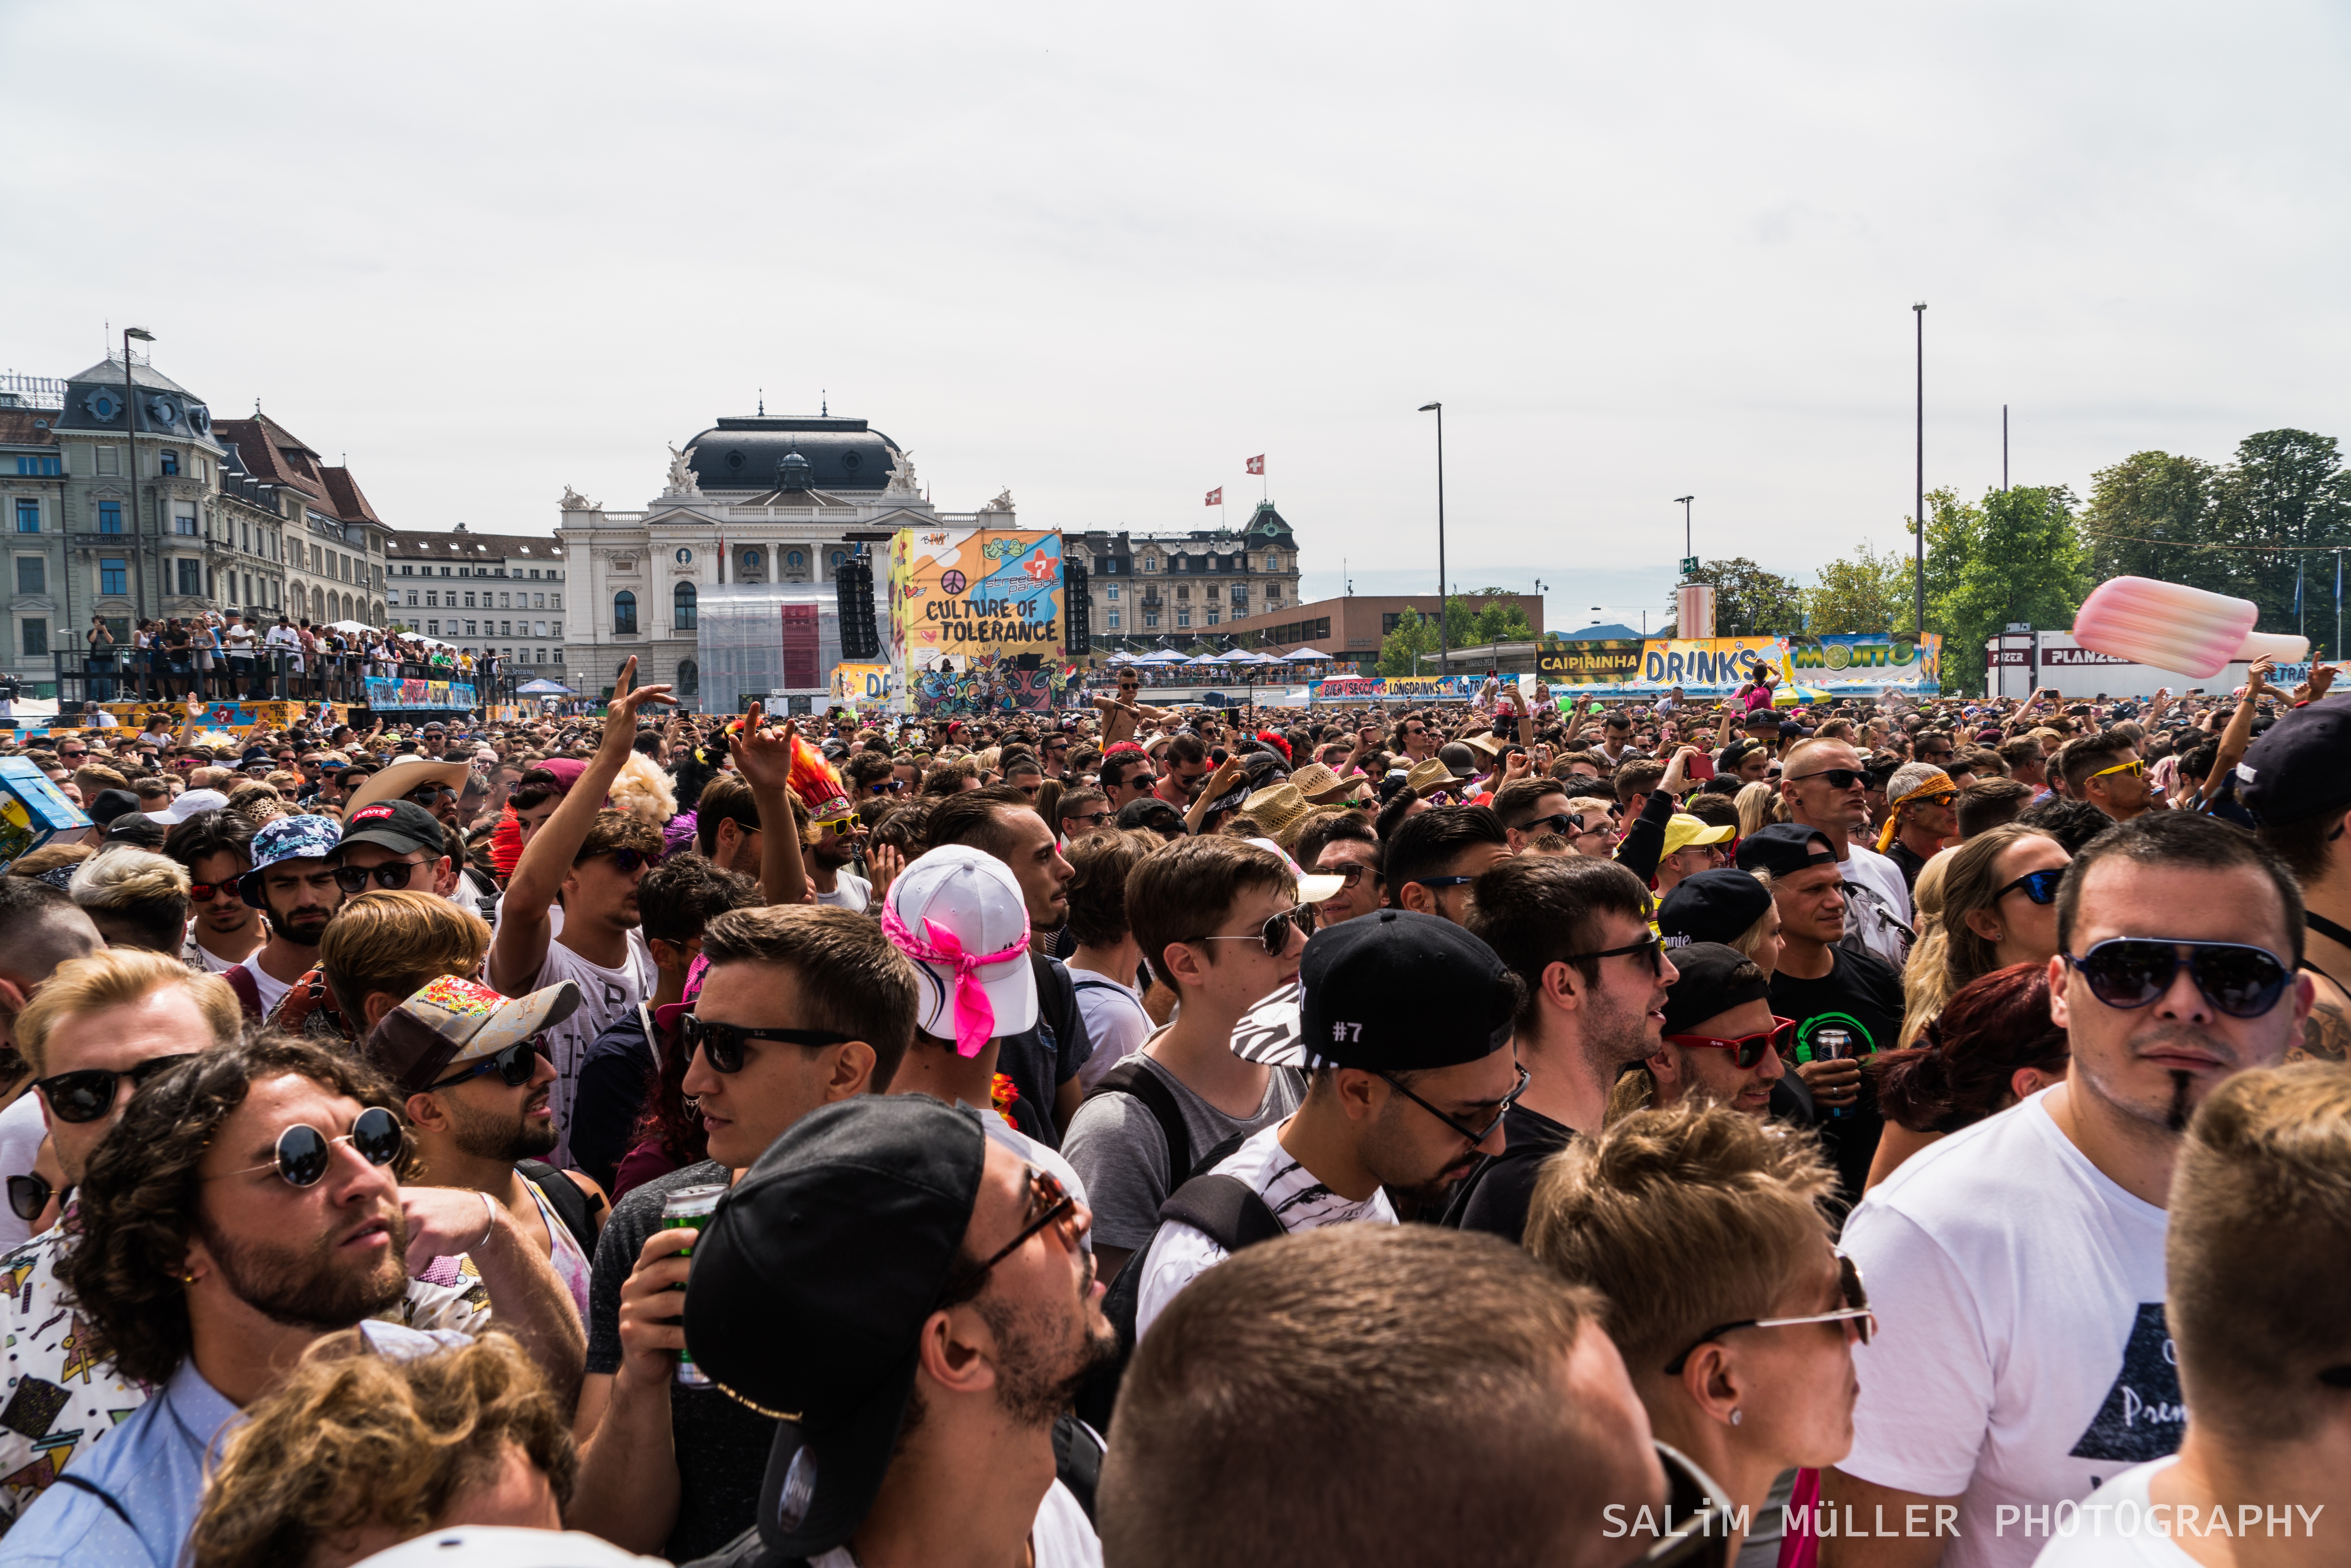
2128 972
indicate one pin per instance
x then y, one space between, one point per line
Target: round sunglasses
303 1152
722 1043
2235 979
1747 1050
87 1094
390 874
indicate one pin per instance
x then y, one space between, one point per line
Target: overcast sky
1101 257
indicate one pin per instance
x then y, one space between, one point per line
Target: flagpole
2339 606
2301 620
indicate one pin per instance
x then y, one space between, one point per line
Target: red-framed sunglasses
1748 1049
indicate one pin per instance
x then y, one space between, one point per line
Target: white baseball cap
960 899
1313 886
187 804
503 1546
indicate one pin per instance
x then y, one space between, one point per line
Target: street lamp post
1442 645
1918 515
1688 548
130 457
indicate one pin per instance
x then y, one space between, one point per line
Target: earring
187 1278
1734 1418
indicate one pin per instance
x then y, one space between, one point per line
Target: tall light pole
130 456
1918 515
1684 502
1444 645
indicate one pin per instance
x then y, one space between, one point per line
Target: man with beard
248 1206
2018 1268
1594 982
478 1082
1404 1020
831 854
949 1284
293 884
1042 1061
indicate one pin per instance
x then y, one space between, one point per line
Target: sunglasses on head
1838 777
1747 1050
2235 979
393 873
1273 935
87 1094
1855 1311
206 891
2040 887
514 1066
303 1152
27 1195
721 1044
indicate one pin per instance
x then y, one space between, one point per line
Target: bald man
1822 786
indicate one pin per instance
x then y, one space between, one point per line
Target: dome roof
745 454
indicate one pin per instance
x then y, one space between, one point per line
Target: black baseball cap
1713 980
1785 848
403 827
2298 768
1458 760
841 1237
1712 907
1763 718
1150 811
1398 991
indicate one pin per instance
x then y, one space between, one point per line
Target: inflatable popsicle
2174 627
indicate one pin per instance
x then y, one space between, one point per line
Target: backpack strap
1226 1209
1078 1459
572 1204
248 994
1132 1078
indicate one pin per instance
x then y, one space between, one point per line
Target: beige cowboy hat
1430 775
1280 809
1319 784
401 774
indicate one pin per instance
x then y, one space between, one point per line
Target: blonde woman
1998 908
1758 804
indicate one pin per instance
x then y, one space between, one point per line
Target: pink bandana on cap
975 1014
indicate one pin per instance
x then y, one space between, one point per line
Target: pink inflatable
2176 628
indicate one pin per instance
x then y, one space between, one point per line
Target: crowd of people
229 656
1876 1134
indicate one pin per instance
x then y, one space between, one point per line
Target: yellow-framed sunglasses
2135 766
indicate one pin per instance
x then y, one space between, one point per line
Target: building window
32 574
1151 563
110 462
682 610
412 596
110 514
794 560
433 598
469 630
624 611
28 516
192 577
558 602
1212 616
539 602
1113 620
505 601
184 524
170 461
1183 591
1151 622
555 657
555 628
1183 617
37 636
1112 591
28 467
432 628
1273 563
111 575
469 602
689 678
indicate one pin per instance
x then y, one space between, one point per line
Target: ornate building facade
1176 588
506 592
753 499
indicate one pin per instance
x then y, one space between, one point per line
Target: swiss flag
1256 464
1215 497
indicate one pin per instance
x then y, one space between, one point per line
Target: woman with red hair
1993 1045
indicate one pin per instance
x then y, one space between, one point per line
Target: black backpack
571 1203
1229 1212
1131 1077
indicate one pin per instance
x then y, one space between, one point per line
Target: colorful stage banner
386 696
974 590
1604 662
1394 688
866 684
1867 663
990 682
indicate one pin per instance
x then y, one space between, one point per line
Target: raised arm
2239 733
764 757
519 950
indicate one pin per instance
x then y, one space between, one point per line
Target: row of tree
2255 527
1473 620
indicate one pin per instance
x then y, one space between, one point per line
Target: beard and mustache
303 1285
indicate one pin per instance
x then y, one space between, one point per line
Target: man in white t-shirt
1405 1022
1821 784
2018 1266
950 1283
592 859
2254 1298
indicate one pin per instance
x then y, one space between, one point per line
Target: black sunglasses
392 873
625 861
1273 935
1855 1311
2128 972
89 1094
1501 1108
303 1151
27 1195
1838 777
722 1043
1654 946
514 1065
1560 823
2040 887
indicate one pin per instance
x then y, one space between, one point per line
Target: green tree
2287 488
2152 515
1864 592
2018 556
1748 600
1414 634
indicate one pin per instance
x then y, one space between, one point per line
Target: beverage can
1833 1045
690 1208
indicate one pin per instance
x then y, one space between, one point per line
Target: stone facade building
506 592
1173 587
